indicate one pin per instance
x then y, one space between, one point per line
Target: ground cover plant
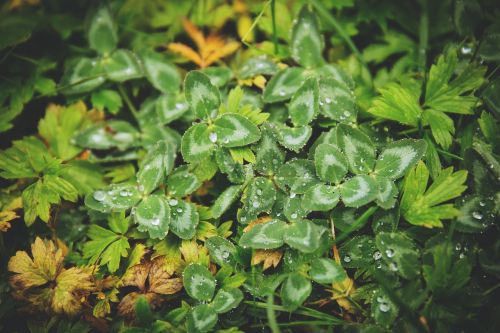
249 166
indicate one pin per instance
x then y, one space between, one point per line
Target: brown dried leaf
268 257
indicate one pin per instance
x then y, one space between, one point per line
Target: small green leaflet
116 197
106 247
182 182
269 156
196 144
201 318
198 282
82 75
158 162
202 96
114 133
233 130
307 42
234 170
304 105
320 198
254 66
325 271
283 85
221 250
184 218
101 32
358 149
152 215
298 175
122 65
384 311
303 235
398 157
358 191
258 197
292 207
225 200
294 138
227 299
399 252
264 236
387 192
294 291
161 73
331 164
170 107
442 126
337 101
107 99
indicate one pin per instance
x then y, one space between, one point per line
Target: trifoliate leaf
182 182
198 282
294 291
233 130
304 105
307 42
325 271
283 85
114 198
337 101
303 235
398 157
358 191
122 65
158 162
161 73
152 215
320 198
399 252
294 138
201 318
298 175
101 32
267 235
258 197
331 164
358 149
221 250
227 299
197 143
184 218
202 96
225 200
106 247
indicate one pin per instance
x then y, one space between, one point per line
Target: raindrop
461 256
458 247
179 210
281 93
482 203
292 195
99 195
477 215
293 216
225 254
259 192
173 202
213 137
328 100
377 255
155 221
255 204
141 188
393 267
389 253
347 259
124 193
384 307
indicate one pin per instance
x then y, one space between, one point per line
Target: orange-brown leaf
195 33
268 257
186 52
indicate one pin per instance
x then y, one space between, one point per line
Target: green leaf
202 96
201 318
114 133
398 157
387 192
117 197
264 236
158 161
196 144
161 73
292 207
383 310
122 65
398 103
184 218
227 299
320 198
107 99
442 127
326 271
225 200
82 75
260 65
170 107
358 251
269 155
337 100
283 85
37 199
331 164
258 197
221 250
294 138
182 182
303 235
101 32
358 191
106 247
234 170
294 291
198 282
298 175
476 214
152 215
304 105
399 252
233 130
307 42
358 149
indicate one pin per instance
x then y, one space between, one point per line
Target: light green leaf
122 65
294 138
294 291
201 319
170 107
258 197
233 130
182 182
225 200
331 164
107 99
307 42
267 235
161 73
158 162
303 235
101 32
320 198
292 207
196 144
106 247
358 149
114 133
326 271
198 282
337 100
442 127
260 65
203 97
269 155
358 191
184 218
399 252
37 199
227 299
387 192
476 214
298 175
82 75
398 157
283 85
221 250
152 214
304 105
117 197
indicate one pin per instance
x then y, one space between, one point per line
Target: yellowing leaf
268 257
5 217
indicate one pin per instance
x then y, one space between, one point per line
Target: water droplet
389 253
482 203
477 215
347 259
281 93
155 221
213 137
384 307
225 254
99 195
141 188
458 247
292 195
393 267
461 256
328 100
259 192
173 202
179 210
377 255
293 216
125 193
255 204
466 50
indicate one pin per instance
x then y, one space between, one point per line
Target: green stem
271 315
273 16
360 222
127 100
423 34
444 152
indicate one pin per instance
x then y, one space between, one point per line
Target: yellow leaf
5 217
244 25
73 286
194 33
186 52
268 257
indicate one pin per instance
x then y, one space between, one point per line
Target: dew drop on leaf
99 195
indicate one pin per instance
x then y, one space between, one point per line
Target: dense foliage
244 166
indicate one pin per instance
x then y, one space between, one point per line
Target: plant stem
423 35
273 16
271 315
127 100
444 152
360 221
